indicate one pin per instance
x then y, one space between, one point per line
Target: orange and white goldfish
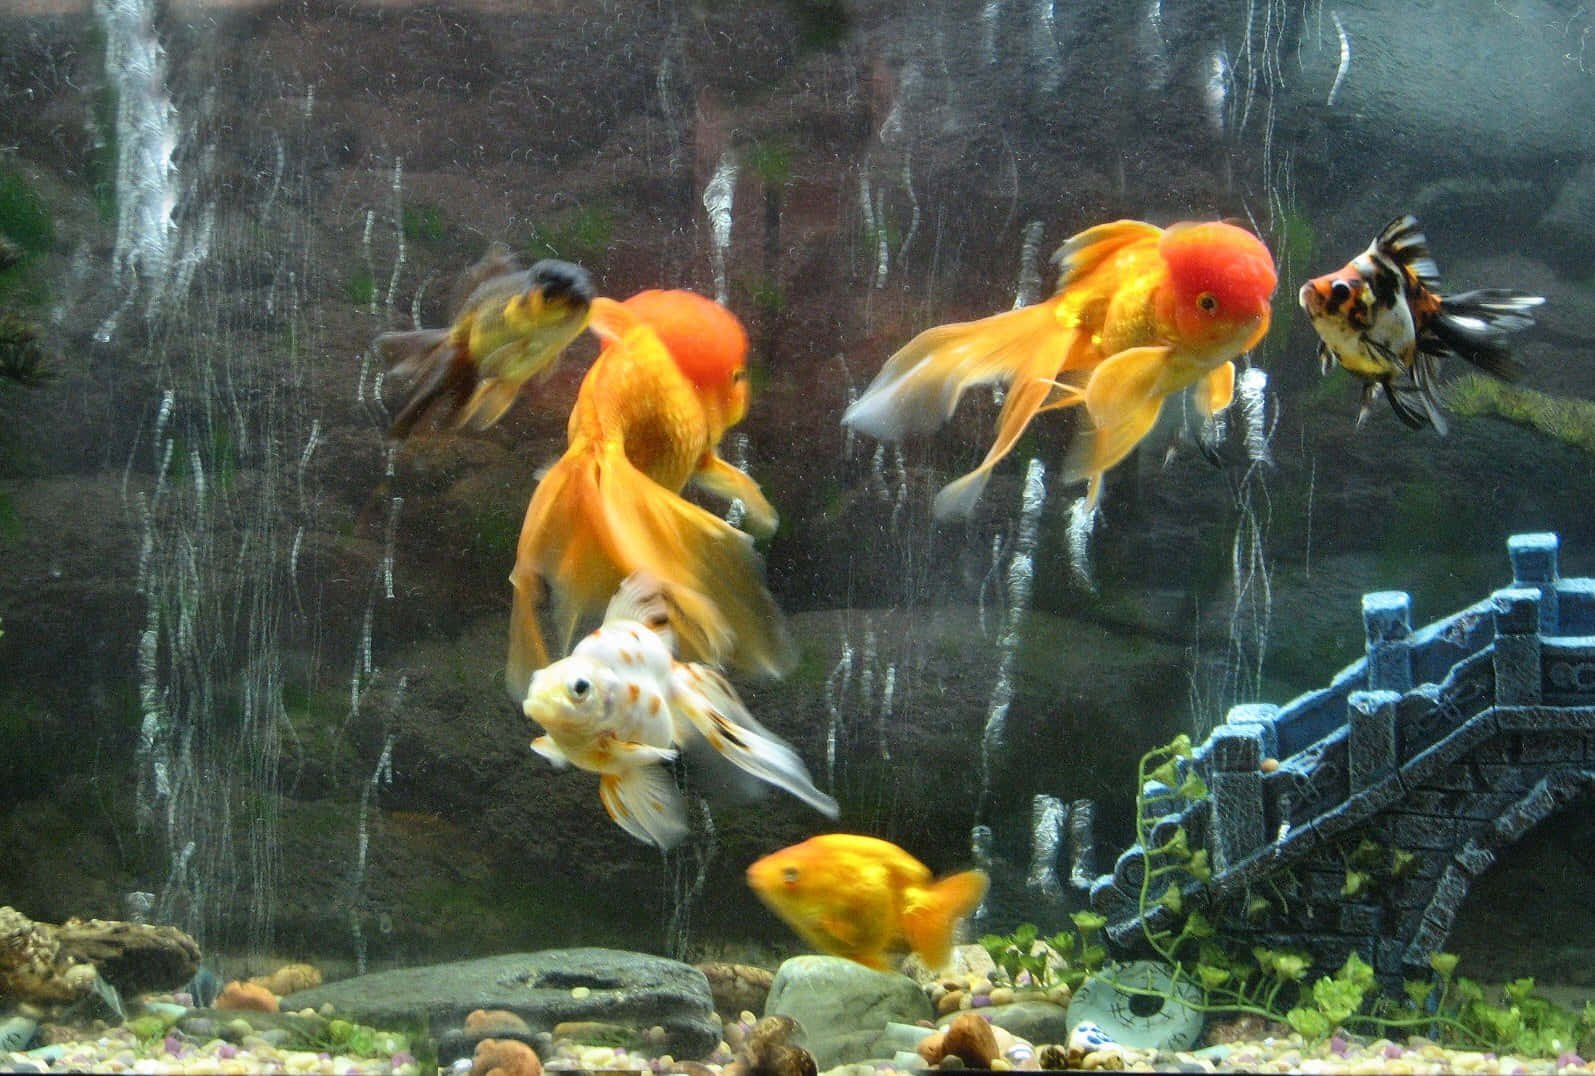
1382 317
512 326
621 705
669 382
1140 313
860 897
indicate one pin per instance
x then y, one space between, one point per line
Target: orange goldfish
512 326
859 897
669 382
1140 313
621 705
1382 317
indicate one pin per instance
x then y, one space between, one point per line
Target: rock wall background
338 164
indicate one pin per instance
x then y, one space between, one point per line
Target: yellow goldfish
512 326
1140 313
860 897
621 705
669 382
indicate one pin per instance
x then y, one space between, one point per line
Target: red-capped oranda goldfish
862 897
1382 317
669 382
621 705
1140 313
512 326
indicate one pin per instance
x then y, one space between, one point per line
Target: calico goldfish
512 326
1139 313
860 897
621 706
1382 317
669 382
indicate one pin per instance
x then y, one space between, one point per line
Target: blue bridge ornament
1420 763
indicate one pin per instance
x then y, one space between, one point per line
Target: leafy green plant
1067 957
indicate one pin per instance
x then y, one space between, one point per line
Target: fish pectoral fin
645 802
610 320
487 404
723 480
546 747
1216 390
931 914
704 697
1124 396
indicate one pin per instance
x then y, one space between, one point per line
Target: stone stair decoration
1356 817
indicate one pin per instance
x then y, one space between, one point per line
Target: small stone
951 1001
249 996
971 1038
505 1057
495 1020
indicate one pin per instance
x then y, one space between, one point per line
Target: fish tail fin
1475 325
711 705
594 520
643 800
920 385
439 369
931 914
1124 397
1033 390
564 566
711 575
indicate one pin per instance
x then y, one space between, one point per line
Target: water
254 651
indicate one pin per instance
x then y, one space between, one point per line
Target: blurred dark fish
1382 317
513 325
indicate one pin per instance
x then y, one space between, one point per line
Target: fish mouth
1308 299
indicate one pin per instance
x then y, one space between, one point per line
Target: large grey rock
543 988
843 1007
1033 1021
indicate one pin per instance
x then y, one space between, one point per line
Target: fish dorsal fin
641 597
1404 243
497 262
610 320
1084 251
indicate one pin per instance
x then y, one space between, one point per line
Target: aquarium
784 534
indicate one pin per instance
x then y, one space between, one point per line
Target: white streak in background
311 443
913 212
1251 389
383 774
980 851
1345 59
737 456
388 541
988 582
1216 89
877 472
1081 523
1044 47
874 227
1152 47
1021 573
398 234
988 30
888 689
717 199
1029 289
365 251
1048 816
310 100
900 474
836 686
146 147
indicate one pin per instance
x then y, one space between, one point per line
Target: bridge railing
1281 776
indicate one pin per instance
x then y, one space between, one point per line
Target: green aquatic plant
582 234
1066 957
1274 983
424 222
1569 420
361 287
23 360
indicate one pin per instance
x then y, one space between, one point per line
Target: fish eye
1340 291
579 687
790 875
739 376
1207 301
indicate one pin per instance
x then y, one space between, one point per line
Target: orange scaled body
669 382
1140 313
860 897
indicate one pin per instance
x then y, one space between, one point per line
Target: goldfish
512 326
1140 312
670 380
860 897
621 706
1381 316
